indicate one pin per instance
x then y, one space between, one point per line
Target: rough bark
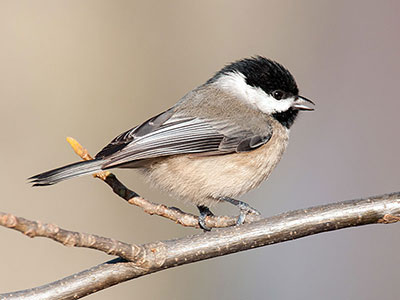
162 255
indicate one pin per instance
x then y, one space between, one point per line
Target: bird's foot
204 212
244 208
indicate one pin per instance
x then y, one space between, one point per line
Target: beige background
91 69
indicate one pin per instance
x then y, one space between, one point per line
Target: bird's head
266 85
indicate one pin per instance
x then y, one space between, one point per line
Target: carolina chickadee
219 141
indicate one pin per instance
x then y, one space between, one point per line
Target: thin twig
71 238
151 208
167 254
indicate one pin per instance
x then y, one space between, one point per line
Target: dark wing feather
116 144
179 135
128 136
252 143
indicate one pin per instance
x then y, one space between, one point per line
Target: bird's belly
203 179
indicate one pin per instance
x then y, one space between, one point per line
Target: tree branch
153 257
70 238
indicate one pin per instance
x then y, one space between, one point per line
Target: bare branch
167 254
172 213
70 238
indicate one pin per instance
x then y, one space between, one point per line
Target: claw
204 212
245 209
241 218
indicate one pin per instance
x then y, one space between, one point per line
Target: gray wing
168 134
122 140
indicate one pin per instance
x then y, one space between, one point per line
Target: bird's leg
244 209
204 212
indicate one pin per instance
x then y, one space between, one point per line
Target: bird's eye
278 94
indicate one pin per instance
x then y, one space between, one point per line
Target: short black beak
300 103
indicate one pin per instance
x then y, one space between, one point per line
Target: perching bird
219 141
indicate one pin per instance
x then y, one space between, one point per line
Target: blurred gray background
91 69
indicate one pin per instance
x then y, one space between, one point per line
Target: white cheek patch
235 83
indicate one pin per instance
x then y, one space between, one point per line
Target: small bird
219 141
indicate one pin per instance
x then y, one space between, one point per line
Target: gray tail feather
66 172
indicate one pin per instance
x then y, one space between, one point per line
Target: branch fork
138 260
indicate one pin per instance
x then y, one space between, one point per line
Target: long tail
66 172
